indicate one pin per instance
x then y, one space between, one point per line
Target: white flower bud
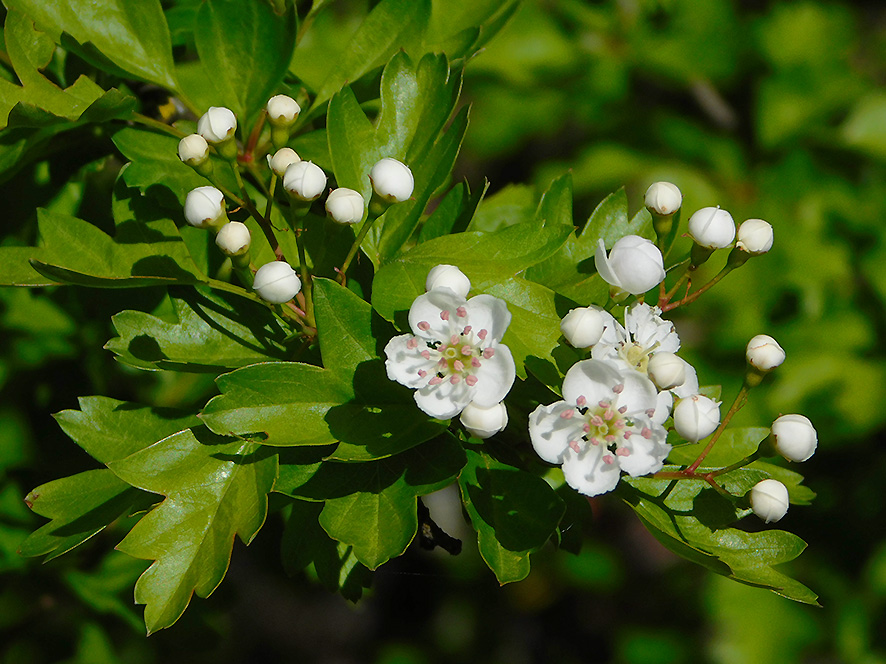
304 180
345 206
666 370
276 282
448 276
755 237
712 227
663 198
794 436
233 239
484 421
282 110
282 159
696 417
764 353
205 207
392 180
217 124
634 264
769 500
193 150
583 327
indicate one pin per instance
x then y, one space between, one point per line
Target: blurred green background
774 110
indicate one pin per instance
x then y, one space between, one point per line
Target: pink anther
467 329
453 340
444 314
574 445
461 312
488 352
567 414
623 410
646 433
422 373
482 334
471 380
475 362
581 401
597 421
467 350
623 452
436 380
412 343
458 365
650 412
426 354
618 389
608 459
455 380
586 428
424 326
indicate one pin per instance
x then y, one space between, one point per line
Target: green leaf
247 49
454 212
213 331
79 506
372 506
116 34
215 489
733 445
351 400
110 430
139 254
385 29
689 518
513 512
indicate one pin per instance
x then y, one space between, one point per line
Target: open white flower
634 264
454 355
606 423
644 334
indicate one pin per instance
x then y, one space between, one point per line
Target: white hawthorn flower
454 355
304 180
769 500
276 282
233 239
484 421
217 124
193 150
663 198
634 264
755 237
667 370
205 207
696 417
764 353
282 159
606 423
392 180
794 437
583 327
712 227
448 276
282 110
345 206
644 335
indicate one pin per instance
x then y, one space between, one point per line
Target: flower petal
601 262
444 400
591 379
647 328
489 313
690 385
427 308
495 377
588 473
550 433
646 455
639 393
403 363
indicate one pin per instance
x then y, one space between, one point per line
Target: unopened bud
193 150
764 353
276 282
666 370
484 421
282 110
448 276
233 239
583 327
663 198
345 206
304 180
696 417
769 499
392 180
205 207
634 264
281 160
217 124
712 228
755 237
794 437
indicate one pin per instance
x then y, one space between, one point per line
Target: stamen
424 326
623 452
608 459
467 329
488 352
422 373
426 354
453 340
581 401
436 380
618 389
610 438
646 433
608 414
623 410
603 404
467 350
619 424
444 314
586 428
650 412
594 441
461 312
458 365
471 380
574 445
455 379
412 343
597 421
567 414
482 334
628 434
475 362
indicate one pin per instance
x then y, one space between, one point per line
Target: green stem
271 189
740 400
156 124
354 248
689 299
297 214
263 222
242 292
738 464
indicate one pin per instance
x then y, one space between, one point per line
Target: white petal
601 261
495 377
690 385
550 434
591 379
486 312
639 393
647 328
614 335
427 309
404 363
444 400
646 456
587 473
